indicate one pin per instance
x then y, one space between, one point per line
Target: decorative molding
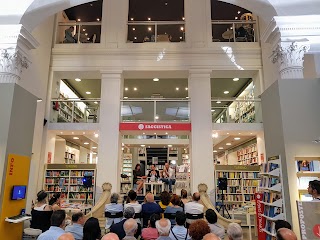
290 57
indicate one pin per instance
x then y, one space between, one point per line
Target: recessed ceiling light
169 145
239 133
131 19
96 135
149 28
239 12
75 138
228 133
166 133
61 132
84 29
156 117
180 37
154 133
135 38
212 110
236 18
135 89
86 34
88 38
220 147
215 151
94 147
177 88
78 79
156 79
142 145
186 89
133 29
98 19
251 133
83 132
79 19
187 97
183 18
228 144
149 19
226 92
72 132
143 133
88 93
166 4
236 79
125 97
237 138
85 143
218 102
94 153
95 102
126 89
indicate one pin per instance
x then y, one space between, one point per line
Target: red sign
155 127
316 230
49 157
261 221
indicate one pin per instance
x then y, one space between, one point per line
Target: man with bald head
211 236
149 208
110 236
193 207
286 234
130 227
66 236
163 226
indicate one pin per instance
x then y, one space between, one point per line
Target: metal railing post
155 32
79 34
154 111
234 32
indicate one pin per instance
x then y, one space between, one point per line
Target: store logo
141 126
258 197
11 165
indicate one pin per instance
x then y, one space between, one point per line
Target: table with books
248 212
71 208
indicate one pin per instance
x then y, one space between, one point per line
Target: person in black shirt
138 177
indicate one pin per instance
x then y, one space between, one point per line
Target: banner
155 127
309 219
261 221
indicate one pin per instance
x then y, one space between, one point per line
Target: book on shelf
305 165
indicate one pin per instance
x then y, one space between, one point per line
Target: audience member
168 176
57 226
149 208
179 232
110 236
138 177
193 207
286 234
184 198
234 232
132 202
163 226
76 229
54 201
66 236
211 236
175 200
91 229
151 233
130 227
41 204
282 224
198 229
215 227
314 190
69 35
113 207
164 200
118 227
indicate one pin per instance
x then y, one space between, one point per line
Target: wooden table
152 184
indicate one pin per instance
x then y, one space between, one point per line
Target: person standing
168 176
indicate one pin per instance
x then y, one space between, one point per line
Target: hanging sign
261 221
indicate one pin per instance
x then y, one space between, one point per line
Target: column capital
112 73
200 72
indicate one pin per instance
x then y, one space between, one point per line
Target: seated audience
175 200
151 233
193 207
198 229
286 234
41 213
91 229
184 198
149 208
132 202
110 236
314 190
163 226
165 200
57 226
54 201
42 204
113 207
282 224
130 227
66 236
179 232
118 227
76 229
234 231
215 227
211 236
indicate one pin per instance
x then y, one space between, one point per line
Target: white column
202 169
109 135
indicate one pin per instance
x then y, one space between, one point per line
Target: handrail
76 100
155 22
232 21
235 100
155 100
79 23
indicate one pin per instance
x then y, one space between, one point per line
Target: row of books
271 197
268 182
232 190
248 155
55 181
80 189
272 211
250 175
229 174
61 173
81 173
80 196
250 149
249 161
268 167
312 166
231 182
54 188
233 197
248 182
250 189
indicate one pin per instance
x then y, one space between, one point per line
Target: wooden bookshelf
248 155
126 183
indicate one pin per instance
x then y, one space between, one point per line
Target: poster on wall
261 221
309 219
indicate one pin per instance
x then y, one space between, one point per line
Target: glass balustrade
234 31
78 32
156 31
74 111
236 111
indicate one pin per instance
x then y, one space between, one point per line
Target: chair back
113 215
192 216
40 219
137 215
170 215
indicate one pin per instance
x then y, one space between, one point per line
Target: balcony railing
234 31
75 111
156 31
78 32
155 110
236 111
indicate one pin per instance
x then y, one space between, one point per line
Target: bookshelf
271 186
67 179
68 111
126 183
243 183
172 154
308 169
248 155
245 111
158 157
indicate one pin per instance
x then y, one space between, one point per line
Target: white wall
59 150
233 158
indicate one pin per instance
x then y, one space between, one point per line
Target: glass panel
137 111
173 111
171 33
139 33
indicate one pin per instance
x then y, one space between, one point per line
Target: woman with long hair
138 177
41 204
54 201
91 229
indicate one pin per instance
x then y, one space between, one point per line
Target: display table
248 212
71 208
18 220
153 187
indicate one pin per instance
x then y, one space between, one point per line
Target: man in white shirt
193 207
168 176
314 190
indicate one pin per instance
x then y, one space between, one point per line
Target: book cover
303 165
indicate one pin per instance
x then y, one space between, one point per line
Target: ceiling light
226 92
135 38
149 28
239 12
88 38
154 133
98 19
94 153
212 110
84 29
169 145
135 89
177 88
166 4
143 133
122 149
236 18
125 97
126 89
215 135
39 100
186 89
79 19
96 135
142 145
218 102
78 79
61 132
149 19
156 117
228 144
156 79
187 97
239 133
215 151
228 133
251 133
236 79
183 18
166 133
75 138
180 37
95 102
83 132
220 148
88 92
131 19
237 138
85 143
72 132
86 34
94 147
133 29
181 28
